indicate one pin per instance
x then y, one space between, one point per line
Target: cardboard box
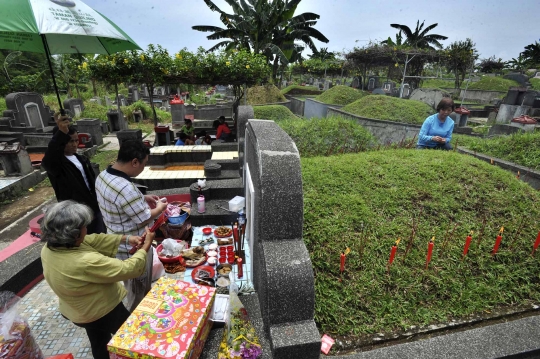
172 321
237 203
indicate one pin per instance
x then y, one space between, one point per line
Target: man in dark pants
71 175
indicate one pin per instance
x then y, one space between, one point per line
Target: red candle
467 244
497 242
393 252
240 267
536 244
235 236
429 252
342 262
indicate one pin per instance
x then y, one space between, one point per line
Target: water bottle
200 204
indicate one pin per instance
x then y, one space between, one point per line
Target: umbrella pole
48 54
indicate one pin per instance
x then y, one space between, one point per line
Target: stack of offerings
171 321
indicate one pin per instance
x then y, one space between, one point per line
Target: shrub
490 83
260 95
390 108
341 95
2 105
273 112
94 110
327 136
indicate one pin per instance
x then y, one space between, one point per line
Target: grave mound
341 95
390 109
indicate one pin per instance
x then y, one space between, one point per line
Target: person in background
223 130
81 270
436 131
183 140
126 210
71 175
203 138
188 129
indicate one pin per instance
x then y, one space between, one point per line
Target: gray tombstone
178 112
74 105
116 119
145 91
27 109
310 81
406 90
355 83
338 82
108 101
388 87
190 109
96 99
315 83
14 159
91 126
373 83
519 78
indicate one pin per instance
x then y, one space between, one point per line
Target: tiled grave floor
54 334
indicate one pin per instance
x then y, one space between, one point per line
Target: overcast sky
500 28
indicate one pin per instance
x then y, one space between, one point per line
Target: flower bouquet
239 338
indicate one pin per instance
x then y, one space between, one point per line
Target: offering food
212 261
212 253
223 231
225 241
224 269
193 253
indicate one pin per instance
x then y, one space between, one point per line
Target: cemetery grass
437 84
297 89
273 112
390 109
535 83
341 95
366 201
489 83
266 94
520 148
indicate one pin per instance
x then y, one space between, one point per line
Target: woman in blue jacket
436 131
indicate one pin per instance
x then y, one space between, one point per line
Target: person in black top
71 175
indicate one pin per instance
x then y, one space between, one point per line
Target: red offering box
170 322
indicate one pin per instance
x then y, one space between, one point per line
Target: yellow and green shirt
87 278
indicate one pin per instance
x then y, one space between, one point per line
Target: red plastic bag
61 356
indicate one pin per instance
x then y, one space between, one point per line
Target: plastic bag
171 248
158 270
138 287
16 340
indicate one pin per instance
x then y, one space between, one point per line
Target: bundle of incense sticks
161 219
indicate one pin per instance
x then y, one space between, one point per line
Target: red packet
327 343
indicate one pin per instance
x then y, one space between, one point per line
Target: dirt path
9 213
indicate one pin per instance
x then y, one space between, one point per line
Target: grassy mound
94 110
489 83
437 83
390 108
521 148
366 201
341 95
300 90
260 95
535 83
327 136
273 112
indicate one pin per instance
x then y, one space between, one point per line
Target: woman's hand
135 241
438 139
151 198
149 236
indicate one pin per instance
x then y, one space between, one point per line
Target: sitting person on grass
436 131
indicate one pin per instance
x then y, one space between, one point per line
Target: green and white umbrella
59 27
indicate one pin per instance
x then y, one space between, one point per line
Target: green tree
420 37
264 27
323 54
459 57
518 64
491 65
150 67
397 43
532 53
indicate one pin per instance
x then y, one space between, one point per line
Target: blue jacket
432 126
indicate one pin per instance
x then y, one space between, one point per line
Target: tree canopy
420 37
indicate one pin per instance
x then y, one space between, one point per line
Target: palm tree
517 64
532 53
419 38
264 27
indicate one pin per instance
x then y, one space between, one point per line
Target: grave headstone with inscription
75 106
27 109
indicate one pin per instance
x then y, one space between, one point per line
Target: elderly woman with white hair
83 272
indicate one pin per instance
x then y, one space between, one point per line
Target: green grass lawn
390 108
365 201
489 83
341 95
520 148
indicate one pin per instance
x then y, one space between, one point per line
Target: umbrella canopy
59 27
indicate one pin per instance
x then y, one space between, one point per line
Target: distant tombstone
355 83
27 109
190 110
117 122
221 89
135 95
96 100
145 91
406 90
338 82
283 84
321 86
74 105
137 115
108 101
315 83
372 83
310 81
122 100
388 87
91 126
178 112
378 91
326 86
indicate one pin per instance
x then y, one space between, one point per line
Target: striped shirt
123 206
